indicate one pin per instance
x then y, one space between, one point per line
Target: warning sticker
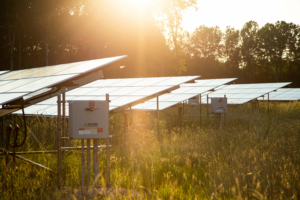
99 130
81 131
91 104
87 131
93 130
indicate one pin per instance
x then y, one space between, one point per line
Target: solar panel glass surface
185 92
242 93
31 82
135 91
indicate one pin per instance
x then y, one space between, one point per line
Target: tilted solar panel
242 93
29 83
122 97
185 92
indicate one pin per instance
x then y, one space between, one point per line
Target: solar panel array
122 92
284 94
242 93
19 83
185 92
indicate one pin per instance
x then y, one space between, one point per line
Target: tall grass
257 156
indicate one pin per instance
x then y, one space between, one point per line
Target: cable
9 129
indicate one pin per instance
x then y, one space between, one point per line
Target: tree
273 45
249 47
172 15
232 51
205 42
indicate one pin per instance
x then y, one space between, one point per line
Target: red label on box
91 104
99 130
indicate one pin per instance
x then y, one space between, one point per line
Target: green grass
257 156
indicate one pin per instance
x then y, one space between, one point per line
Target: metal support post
219 126
180 118
268 100
15 135
64 117
207 111
108 163
125 123
6 141
82 166
215 120
157 116
108 155
95 162
88 163
58 141
225 124
200 104
2 133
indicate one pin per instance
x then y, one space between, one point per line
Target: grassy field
257 156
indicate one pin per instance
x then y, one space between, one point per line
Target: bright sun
140 5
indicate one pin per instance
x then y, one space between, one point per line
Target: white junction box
195 101
88 119
219 105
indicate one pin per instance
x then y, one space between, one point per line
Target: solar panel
5 97
242 93
28 83
185 92
129 94
31 80
284 94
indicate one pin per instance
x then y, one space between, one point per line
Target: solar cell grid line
136 90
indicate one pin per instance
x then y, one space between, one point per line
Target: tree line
267 54
36 33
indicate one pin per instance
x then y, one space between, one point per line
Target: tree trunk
20 51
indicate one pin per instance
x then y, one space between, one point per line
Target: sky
236 13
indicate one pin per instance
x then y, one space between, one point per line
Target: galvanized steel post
82 166
58 141
64 117
107 154
207 111
200 103
268 100
157 115
88 163
95 162
2 133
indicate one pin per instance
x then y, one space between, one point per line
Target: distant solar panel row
242 93
185 92
284 94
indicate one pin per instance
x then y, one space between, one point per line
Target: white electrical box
195 101
88 119
219 105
